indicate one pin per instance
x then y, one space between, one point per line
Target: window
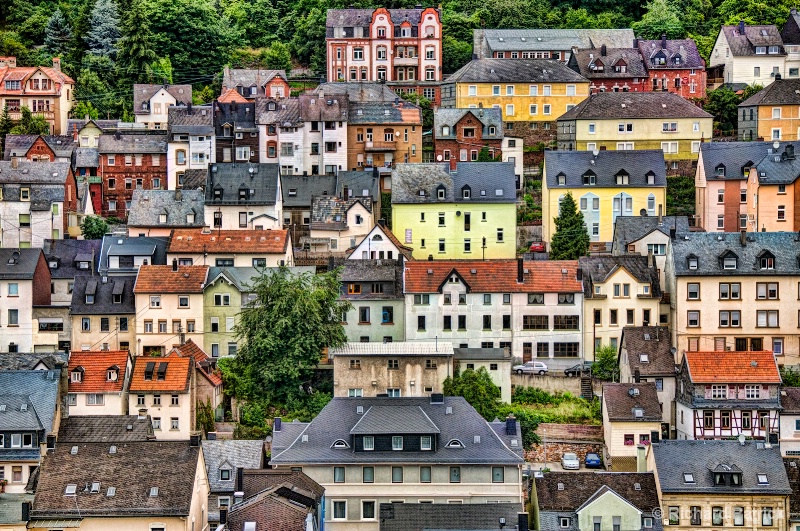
767 318
397 474
694 515
693 318
729 291
674 515
455 474
766 516
397 442
767 290
368 509
498 474
693 291
738 516
338 474
339 510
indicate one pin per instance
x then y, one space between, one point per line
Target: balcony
47 115
380 146
406 61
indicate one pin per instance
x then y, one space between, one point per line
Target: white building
191 144
24 283
98 382
243 196
151 103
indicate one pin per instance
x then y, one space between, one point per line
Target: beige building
162 388
339 224
631 417
231 248
46 91
496 361
151 103
103 313
98 382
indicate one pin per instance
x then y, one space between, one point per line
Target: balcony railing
47 115
380 146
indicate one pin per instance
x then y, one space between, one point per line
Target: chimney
603 50
741 27
239 478
635 42
664 41
51 443
276 426
641 460
26 511
522 521
637 376
520 270
511 425
382 222
743 238
57 64
672 234
660 217
778 76
579 275
223 516
174 264
15 162
790 151
194 440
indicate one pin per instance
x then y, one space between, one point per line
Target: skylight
644 358
111 491
762 479
95 487
74 450
688 478
71 490
153 492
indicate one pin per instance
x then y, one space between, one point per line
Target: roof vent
359 409
644 358
74 450
754 363
448 410
647 337
23 407
153 492
111 492
430 271
112 450
637 486
305 438
560 486
514 442
476 439
473 271
2 407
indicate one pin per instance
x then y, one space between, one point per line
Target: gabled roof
416 348
152 247
584 60
358 184
231 95
281 113
86 157
147 207
732 367
258 480
233 454
236 183
162 279
744 44
203 362
190 120
382 230
249 77
500 40
573 165
633 105
329 212
372 270
399 419
487 117
622 400
674 458
708 248
779 92
516 71
363 17
105 429
93 366
372 112
273 241
64 255
598 269
358 92
488 182
18 145
133 471
315 108
39 390
577 489
132 144
16 361
780 167
685 48
298 190
143 93
655 343
147 370
494 276
34 173
239 116
19 264
630 229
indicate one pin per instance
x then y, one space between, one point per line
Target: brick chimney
57 63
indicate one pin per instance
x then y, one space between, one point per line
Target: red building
611 69
460 134
674 65
129 162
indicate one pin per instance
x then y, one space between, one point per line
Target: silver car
530 367
569 461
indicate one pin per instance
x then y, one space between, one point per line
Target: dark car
580 368
592 460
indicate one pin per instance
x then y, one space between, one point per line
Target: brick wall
269 513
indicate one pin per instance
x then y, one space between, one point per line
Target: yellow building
606 185
525 90
773 113
631 417
471 213
637 121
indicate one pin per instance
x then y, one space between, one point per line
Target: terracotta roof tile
733 367
229 241
495 276
232 95
201 359
94 365
177 373
162 279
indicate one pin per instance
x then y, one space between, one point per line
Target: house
243 196
157 212
726 394
123 255
471 211
708 277
459 135
530 107
399 47
236 248
421 516
380 243
789 438
46 91
790 35
721 483
604 500
674 65
40 148
496 361
382 134
749 54
375 289
67 260
130 162
227 291
543 43
154 485
155 380
207 381
604 186
298 193
103 314
631 416
531 308
400 449
39 201
151 103
611 69
24 283
391 369
640 121
646 355
11 517
771 113
618 291
338 223
105 428
169 296
771 192
236 132
98 382
256 83
30 419
721 197
191 144
224 459
33 361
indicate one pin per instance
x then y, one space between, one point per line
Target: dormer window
441 192
162 218
422 193
76 376
767 261
589 178
729 262
445 130
692 263
651 177
226 130
454 443
190 218
677 59
340 443
562 179
466 192
225 474
90 298
112 374
397 442
720 170
622 178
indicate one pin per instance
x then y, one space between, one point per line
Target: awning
54 524
51 320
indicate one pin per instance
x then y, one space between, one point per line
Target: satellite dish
595 152
397 133
741 438
439 158
776 144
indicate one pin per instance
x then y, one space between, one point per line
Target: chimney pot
520 270
174 264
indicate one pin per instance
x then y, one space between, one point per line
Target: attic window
77 375
767 261
73 450
688 477
454 443
637 486
71 490
692 263
729 262
95 487
762 479
644 358
292 192
422 193
560 486
153 492
111 492
562 179
440 192
340 443
162 218
224 474
466 192
638 412
112 374
721 170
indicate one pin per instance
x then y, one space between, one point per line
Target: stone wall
556 449
551 384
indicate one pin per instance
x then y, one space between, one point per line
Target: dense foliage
570 240
93 227
606 363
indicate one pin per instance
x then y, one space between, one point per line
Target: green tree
279 57
477 388
308 39
723 104
11 44
58 35
606 363
258 19
425 105
455 54
93 227
570 240
85 108
661 19
103 29
135 48
283 334
485 156
204 95
30 124
5 127
161 71
790 376
205 416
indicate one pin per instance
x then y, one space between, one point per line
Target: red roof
147 371
201 359
494 276
162 279
733 367
232 95
229 241
95 367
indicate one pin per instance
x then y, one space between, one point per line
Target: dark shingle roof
578 488
622 399
132 143
488 182
632 105
556 39
133 471
685 48
86 158
147 206
103 296
38 389
384 113
193 179
709 249
313 108
115 245
629 229
231 454
778 168
363 17
597 269
42 173
194 120
105 429
486 117
481 354
16 361
583 60
240 116
18 145
257 480
11 508
420 517
66 253
330 212
19 263
142 94
606 166
285 112
298 190
370 271
673 459
357 182
741 45
339 417
654 341
779 92
790 400
248 77
734 156
261 182
515 70
358 92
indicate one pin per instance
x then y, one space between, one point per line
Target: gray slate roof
11 508
606 166
358 92
709 249
232 454
191 120
477 353
484 179
240 116
18 145
15 361
779 92
427 517
555 39
285 112
597 269
193 179
363 17
66 254
105 429
340 416
260 180
629 229
515 70
37 389
387 419
329 212
632 105
780 167
620 400
86 158
116 245
142 93
46 181
132 143
305 187
581 61
743 45
657 345
24 265
148 205
371 271
450 117
358 182
247 77
244 277
675 458
686 49
384 113
734 156
103 296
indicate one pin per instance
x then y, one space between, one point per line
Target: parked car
537 247
530 367
569 461
592 460
580 368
